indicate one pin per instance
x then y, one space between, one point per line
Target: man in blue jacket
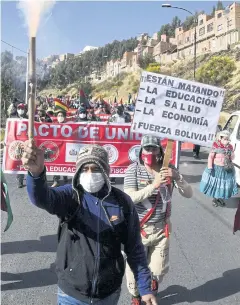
95 220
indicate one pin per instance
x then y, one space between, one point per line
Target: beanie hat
21 106
93 153
150 140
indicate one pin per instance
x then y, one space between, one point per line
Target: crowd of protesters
77 109
63 109
140 221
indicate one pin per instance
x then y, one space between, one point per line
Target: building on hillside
162 47
173 40
66 56
155 36
169 56
50 58
152 42
143 37
127 59
110 68
213 33
117 67
129 62
147 50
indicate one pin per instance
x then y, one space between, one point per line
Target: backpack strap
71 215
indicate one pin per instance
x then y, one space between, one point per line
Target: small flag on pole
5 201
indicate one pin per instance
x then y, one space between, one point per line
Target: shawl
219 148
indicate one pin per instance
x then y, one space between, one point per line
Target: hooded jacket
89 262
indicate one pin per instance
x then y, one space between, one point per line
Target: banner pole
168 153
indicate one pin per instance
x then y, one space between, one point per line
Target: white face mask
92 182
20 111
60 119
82 115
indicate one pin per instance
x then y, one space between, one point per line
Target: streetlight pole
195 51
195 34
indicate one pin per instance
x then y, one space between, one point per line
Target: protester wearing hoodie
119 116
95 220
92 116
42 115
146 183
82 114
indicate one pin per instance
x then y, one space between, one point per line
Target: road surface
204 255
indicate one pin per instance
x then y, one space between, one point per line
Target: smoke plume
34 11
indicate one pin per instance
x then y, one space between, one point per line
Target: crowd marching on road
97 219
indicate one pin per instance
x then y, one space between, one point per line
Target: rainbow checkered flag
60 106
5 201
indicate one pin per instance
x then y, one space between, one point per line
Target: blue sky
73 25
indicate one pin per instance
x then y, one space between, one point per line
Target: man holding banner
95 220
146 182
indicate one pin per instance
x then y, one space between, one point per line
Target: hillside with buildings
216 34
129 82
122 84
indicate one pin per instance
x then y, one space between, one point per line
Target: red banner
61 143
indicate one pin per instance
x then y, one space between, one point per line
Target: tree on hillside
144 61
213 11
165 29
13 78
153 67
189 22
169 28
176 23
77 68
219 6
217 71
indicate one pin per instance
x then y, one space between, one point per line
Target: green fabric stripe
7 200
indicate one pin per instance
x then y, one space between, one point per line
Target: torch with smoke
34 11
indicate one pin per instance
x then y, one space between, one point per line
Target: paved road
205 260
